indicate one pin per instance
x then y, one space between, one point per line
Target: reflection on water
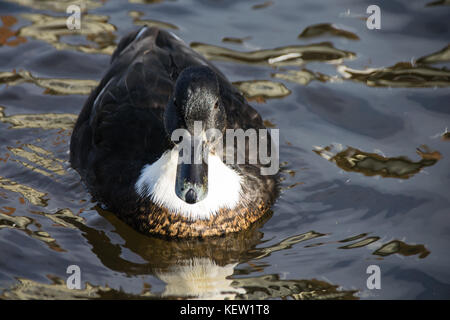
51 86
272 287
35 197
361 243
7 36
51 29
285 244
262 89
371 164
201 278
205 269
39 158
60 5
437 57
327 29
27 225
136 15
28 290
190 269
45 211
262 287
162 254
46 121
302 77
392 247
63 217
403 249
262 5
283 56
403 74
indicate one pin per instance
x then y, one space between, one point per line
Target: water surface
363 117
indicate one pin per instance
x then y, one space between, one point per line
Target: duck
123 145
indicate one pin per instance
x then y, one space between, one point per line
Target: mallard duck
123 148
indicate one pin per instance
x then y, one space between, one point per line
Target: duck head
194 119
191 178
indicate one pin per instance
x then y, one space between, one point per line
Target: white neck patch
157 182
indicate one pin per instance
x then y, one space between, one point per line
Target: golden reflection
136 15
437 57
48 162
63 217
353 238
11 78
302 77
196 268
66 86
22 223
262 89
283 56
262 5
26 289
191 269
371 164
403 74
50 29
32 168
40 150
32 195
254 288
404 249
322 29
361 243
60 5
11 222
7 36
394 246
285 244
291 174
272 287
51 85
47 121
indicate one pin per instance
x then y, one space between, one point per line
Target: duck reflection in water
203 268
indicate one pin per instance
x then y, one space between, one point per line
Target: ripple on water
373 164
51 29
295 55
43 201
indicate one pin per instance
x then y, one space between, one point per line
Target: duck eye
216 105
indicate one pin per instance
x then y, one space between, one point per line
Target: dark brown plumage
121 129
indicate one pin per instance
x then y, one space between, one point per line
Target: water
362 116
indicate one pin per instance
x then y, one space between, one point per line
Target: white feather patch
201 278
157 182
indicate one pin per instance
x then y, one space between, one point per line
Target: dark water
362 117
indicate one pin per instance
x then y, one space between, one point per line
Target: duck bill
191 183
